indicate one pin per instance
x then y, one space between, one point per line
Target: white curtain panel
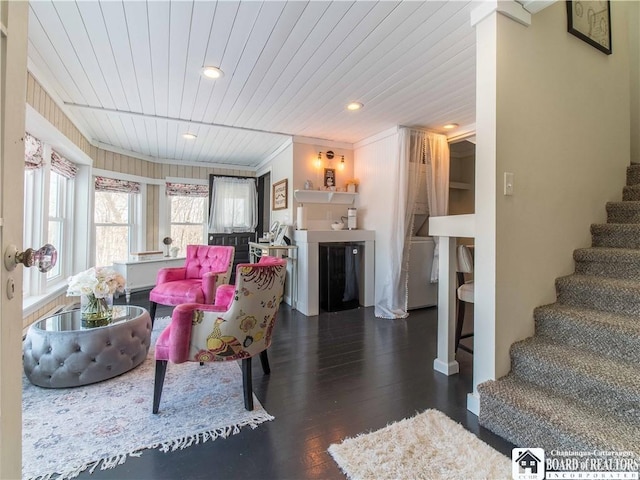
414 148
234 205
437 158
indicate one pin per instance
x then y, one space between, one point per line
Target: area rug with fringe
66 431
428 446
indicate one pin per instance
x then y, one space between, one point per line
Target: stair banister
448 228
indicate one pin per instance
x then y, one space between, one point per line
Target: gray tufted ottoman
58 352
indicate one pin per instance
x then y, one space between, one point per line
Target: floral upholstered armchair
206 268
237 330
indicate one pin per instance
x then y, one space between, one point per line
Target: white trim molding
509 8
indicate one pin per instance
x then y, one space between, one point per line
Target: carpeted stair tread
582 375
631 193
610 334
623 212
599 293
616 235
608 262
633 174
527 415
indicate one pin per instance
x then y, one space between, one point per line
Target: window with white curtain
116 204
187 215
234 205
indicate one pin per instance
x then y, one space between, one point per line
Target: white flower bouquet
97 281
96 287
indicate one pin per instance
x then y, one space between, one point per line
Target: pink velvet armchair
237 330
205 269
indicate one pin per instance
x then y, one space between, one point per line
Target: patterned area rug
428 446
66 431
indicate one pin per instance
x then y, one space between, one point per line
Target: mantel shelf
323 196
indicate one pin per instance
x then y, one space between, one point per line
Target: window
188 223
187 214
115 206
234 205
48 213
57 231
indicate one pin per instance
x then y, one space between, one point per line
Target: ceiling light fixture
353 106
212 72
450 126
189 136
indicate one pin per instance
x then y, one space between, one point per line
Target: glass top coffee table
59 352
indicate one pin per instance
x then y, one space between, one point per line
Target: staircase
575 385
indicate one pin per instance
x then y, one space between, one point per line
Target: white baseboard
473 403
450 368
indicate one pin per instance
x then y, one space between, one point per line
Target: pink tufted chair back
205 258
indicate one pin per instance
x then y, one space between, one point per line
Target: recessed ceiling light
354 106
450 126
212 72
189 136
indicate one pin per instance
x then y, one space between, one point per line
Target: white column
446 362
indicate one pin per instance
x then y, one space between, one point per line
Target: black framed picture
329 177
591 21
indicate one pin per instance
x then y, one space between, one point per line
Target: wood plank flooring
332 376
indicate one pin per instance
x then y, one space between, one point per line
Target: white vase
351 188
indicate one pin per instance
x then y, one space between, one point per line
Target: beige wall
562 127
304 168
634 52
462 169
282 167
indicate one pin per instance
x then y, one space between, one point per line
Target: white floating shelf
323 196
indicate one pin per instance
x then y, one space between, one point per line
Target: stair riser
633 175
605 299
524 429
577 385
631 194
589 337
623 212
626 271
613 239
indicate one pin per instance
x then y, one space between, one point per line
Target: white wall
282 167
562 126
373 160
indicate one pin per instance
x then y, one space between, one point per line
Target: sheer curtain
415 148
234 205
437 157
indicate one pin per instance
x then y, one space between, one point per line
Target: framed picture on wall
591 21
329 177
280 195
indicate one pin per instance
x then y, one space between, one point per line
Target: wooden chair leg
152 311
264 359
161 369
459 322
247 383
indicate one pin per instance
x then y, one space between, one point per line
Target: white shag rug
66 431
428 446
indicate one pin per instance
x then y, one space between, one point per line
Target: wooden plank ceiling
129 72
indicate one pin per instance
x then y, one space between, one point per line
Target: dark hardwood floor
332 376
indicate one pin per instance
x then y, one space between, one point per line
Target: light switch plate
508 183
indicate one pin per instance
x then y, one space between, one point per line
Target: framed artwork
329 177
591 21
280 195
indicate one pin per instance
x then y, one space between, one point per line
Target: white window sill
33 303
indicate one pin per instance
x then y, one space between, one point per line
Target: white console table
142 274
